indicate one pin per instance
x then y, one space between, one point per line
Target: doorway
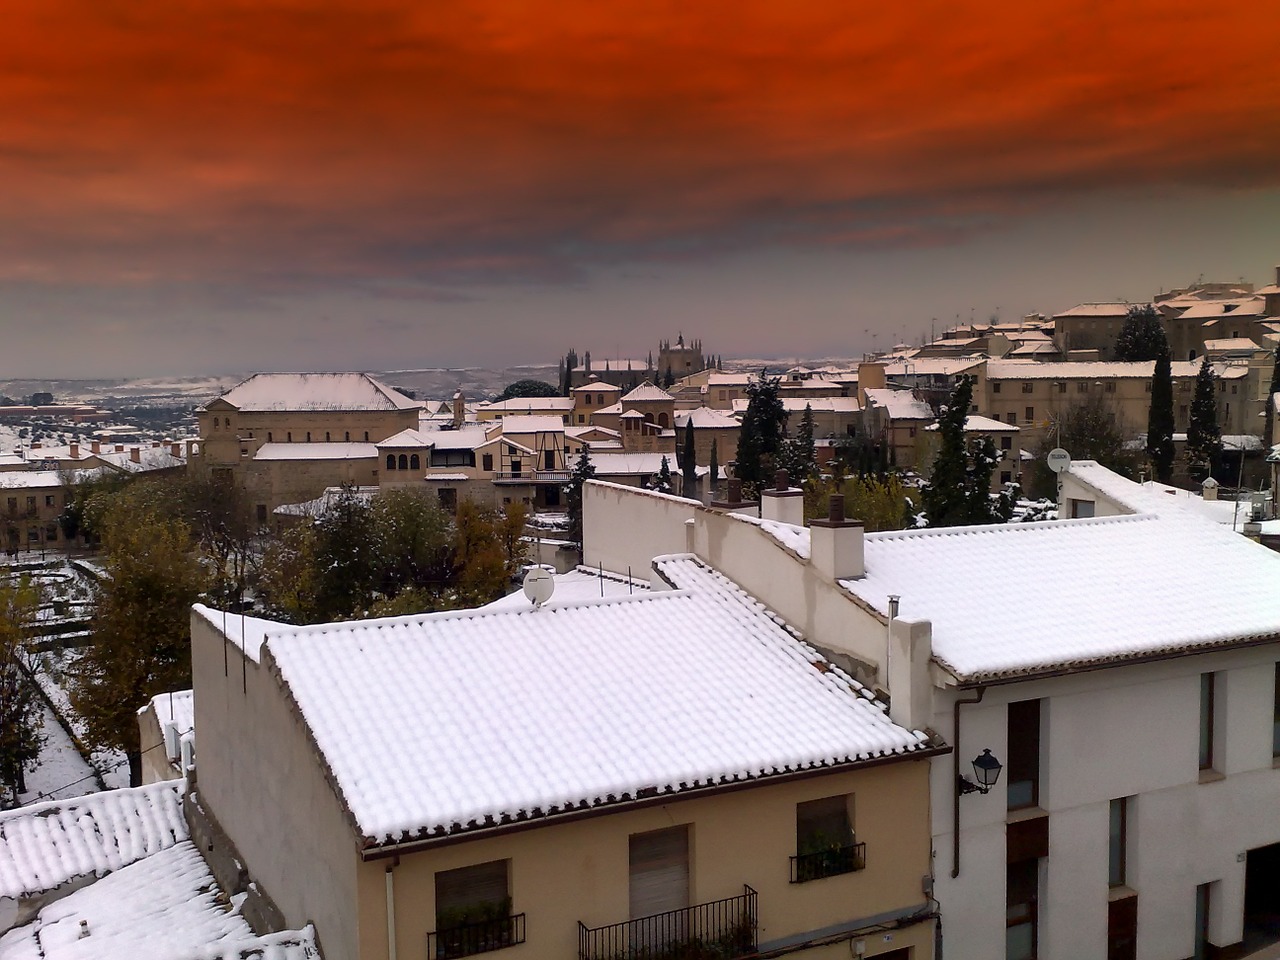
1262 897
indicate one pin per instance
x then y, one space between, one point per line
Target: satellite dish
1058 459
539 585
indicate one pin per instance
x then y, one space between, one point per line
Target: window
326 437
453 458
825 842
262 514
1031 414
487 461
1222 386
391 461
548 459
1082 509
31 503
448 498
415 462
995 387
366 436
289 436
346 436
268 436
1233 388
308 436
1118 842
599 398
1006 443
1022 883
582 418
402 462
473 911
1208 709
51 532
1110 386
658 871
517 467
48 500
1006 476
1012 417
1024 754
1027 386
1275 716
1081 387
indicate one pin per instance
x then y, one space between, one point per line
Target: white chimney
910 691
1209 489
835 544
782 502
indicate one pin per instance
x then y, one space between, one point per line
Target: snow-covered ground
60 772
112 765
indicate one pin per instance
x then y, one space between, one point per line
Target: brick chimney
733 502
95 446
119 448
75 451
175 450
135 454
835 544
782 502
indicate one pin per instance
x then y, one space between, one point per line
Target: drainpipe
955 781
391 913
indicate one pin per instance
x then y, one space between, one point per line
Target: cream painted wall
258 775
624 527
577 871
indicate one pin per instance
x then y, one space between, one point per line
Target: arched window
268 436
648 418
391 461
662 419
404 462
415 462
289 436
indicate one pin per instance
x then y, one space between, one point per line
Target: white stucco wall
624 527
261 780
1119 732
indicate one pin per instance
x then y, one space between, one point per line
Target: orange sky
272 148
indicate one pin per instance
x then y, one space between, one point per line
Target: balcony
533 476
468 939
828 863
719 930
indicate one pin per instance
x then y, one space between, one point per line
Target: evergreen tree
583 471
959 490
1142 335
713 472
662 479
801 455
1270 432
1090 429
141 640
760 438
689 461
527 388
668 378
1204 438
20 713
347 558
1160 420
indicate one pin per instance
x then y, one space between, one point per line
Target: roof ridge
1009 527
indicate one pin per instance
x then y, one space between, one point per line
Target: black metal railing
471 938
718 930
828 863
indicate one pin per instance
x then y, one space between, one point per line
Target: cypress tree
959 490
1142 336
689 460
583 471
1204 438
760 439
1160 419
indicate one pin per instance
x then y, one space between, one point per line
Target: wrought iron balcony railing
718 930
828 863
472 938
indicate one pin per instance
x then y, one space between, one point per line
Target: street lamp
986 771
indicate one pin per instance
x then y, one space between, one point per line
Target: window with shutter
472 894
825 844
659 871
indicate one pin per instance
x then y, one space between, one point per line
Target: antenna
538 586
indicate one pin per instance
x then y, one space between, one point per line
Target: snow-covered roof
581 583
976 424
646 392
315 391
528 405
1123 588
166 907
318 506
482 716
629 464
1151 496
929 366
1111 309
316 451
582 432
445 477
1234 307
706 418
29 478
1101 369
524 425
1232 345
596 385
468 438
615 408
177 710
47 844
247 633
149 458
901 404
408 438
